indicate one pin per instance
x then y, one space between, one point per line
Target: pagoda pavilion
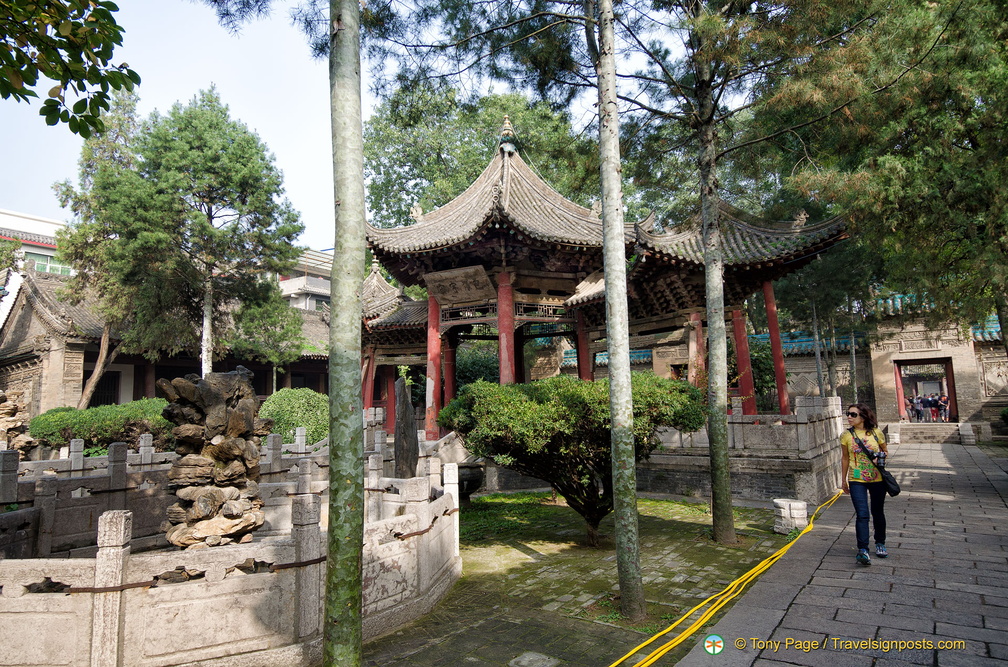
512 259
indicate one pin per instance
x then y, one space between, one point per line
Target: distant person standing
925 408
919 407
934 408
943 407
860 444
908 408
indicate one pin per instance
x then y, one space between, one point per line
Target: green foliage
292 408
102 425
1004 415
477 361
67 41
10 250
196 224
268 329
557 430
426 145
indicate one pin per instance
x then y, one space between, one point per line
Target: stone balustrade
117 602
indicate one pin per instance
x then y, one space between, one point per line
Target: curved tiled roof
509 188
409 314
60 317
378 297
746 239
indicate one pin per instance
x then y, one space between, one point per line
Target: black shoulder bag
892 486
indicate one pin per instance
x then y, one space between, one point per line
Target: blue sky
266 75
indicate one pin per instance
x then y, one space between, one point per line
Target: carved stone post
115 529
274 445
45 501
451 487
307 538
8 476
373 502
117 475
77 457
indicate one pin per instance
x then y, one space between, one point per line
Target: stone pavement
946 579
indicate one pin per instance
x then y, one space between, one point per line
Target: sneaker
880 551
862 557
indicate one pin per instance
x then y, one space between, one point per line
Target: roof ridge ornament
507 137
800 219
416 211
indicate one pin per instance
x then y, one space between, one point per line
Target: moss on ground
529 548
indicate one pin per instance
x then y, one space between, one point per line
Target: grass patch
504 516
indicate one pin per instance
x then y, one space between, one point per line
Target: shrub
100 426
1004 415
291 408
557 430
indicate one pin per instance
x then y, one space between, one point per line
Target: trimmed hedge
100 426
558 430
291 408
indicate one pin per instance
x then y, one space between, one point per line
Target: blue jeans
860 493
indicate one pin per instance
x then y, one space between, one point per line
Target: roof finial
507 131
507 136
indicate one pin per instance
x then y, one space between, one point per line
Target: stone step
940 433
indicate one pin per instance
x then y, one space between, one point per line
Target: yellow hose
721 599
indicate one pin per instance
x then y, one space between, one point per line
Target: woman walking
861 443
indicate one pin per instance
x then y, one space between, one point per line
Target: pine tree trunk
632 604
723 520
206 343
105 358
343 619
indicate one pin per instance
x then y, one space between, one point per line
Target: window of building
321 303
47 264
107 391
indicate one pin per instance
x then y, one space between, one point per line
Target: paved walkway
946 580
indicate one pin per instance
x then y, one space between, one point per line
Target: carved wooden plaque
457 286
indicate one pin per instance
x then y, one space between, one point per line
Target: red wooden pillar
697 349
433 368
448 356
584 365
746 384
780 375
369 378
505 328
390 380
900 407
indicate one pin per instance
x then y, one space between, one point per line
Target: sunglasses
853 414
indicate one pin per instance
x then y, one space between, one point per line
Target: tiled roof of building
745 238
61 317
411 314
802 342
378 297
508 188
28 237
989 331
